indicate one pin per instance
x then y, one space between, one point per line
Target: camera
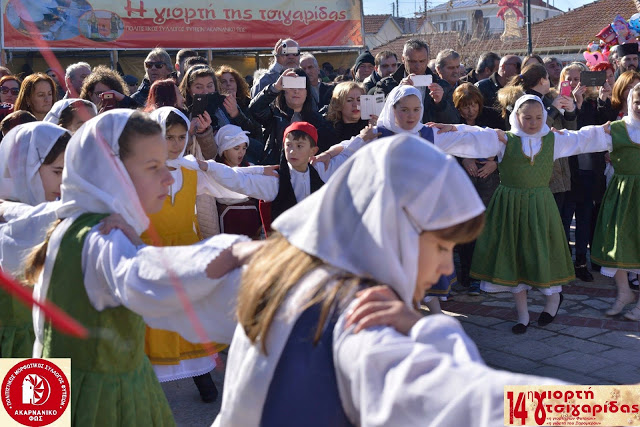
289 50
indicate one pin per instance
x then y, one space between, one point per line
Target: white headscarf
53 116
230 136
631 119
22 152
516 129
94 178
387 117
381 199
161 115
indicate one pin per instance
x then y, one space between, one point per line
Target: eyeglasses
288 54
157 64
14 90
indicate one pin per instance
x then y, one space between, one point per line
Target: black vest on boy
286 198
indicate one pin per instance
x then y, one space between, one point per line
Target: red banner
140 24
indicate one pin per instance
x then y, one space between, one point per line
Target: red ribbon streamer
59 318
513 5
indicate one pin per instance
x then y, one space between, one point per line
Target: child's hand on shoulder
607 128
271 170
380 306
203 165
502 135
368 133
116 221
324 158
442 128
558 131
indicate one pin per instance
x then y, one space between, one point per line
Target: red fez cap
305 127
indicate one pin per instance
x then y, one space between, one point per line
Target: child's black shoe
206 387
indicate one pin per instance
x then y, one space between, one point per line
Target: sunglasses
158 64
5 90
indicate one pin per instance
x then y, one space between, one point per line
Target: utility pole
393 9
529 41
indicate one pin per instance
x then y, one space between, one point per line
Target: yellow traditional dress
172 356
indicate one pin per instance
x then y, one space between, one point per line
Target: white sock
522 307
553 303
622 284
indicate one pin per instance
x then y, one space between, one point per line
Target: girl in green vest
523 245
616 241
113 284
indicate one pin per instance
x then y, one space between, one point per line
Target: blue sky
408 7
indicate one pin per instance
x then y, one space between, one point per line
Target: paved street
582 345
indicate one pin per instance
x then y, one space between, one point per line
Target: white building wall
496 25
387 32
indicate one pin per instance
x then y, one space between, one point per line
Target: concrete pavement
582 345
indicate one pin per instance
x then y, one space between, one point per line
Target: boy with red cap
297 177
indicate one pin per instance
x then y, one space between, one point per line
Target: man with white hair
74 77
286 54
159 67
320 91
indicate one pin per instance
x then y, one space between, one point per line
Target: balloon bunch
618 32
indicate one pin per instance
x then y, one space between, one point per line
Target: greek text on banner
145 24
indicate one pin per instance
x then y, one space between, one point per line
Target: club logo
35 392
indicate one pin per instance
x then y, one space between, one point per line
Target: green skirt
523 241
127 399
616 242
16 328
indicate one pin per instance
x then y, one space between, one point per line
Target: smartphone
199 104
593 78
108 101
215 101
422 80
291 82
565 88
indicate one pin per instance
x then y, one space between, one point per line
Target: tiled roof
409 25
373 23
566 33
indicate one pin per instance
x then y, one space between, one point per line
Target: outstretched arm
469 141
589 139
149 281
432 376
254 181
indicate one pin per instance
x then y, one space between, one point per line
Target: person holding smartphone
587 170
286 54
436 93
286 101
106 89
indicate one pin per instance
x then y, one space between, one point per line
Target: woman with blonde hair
344 110
36 95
